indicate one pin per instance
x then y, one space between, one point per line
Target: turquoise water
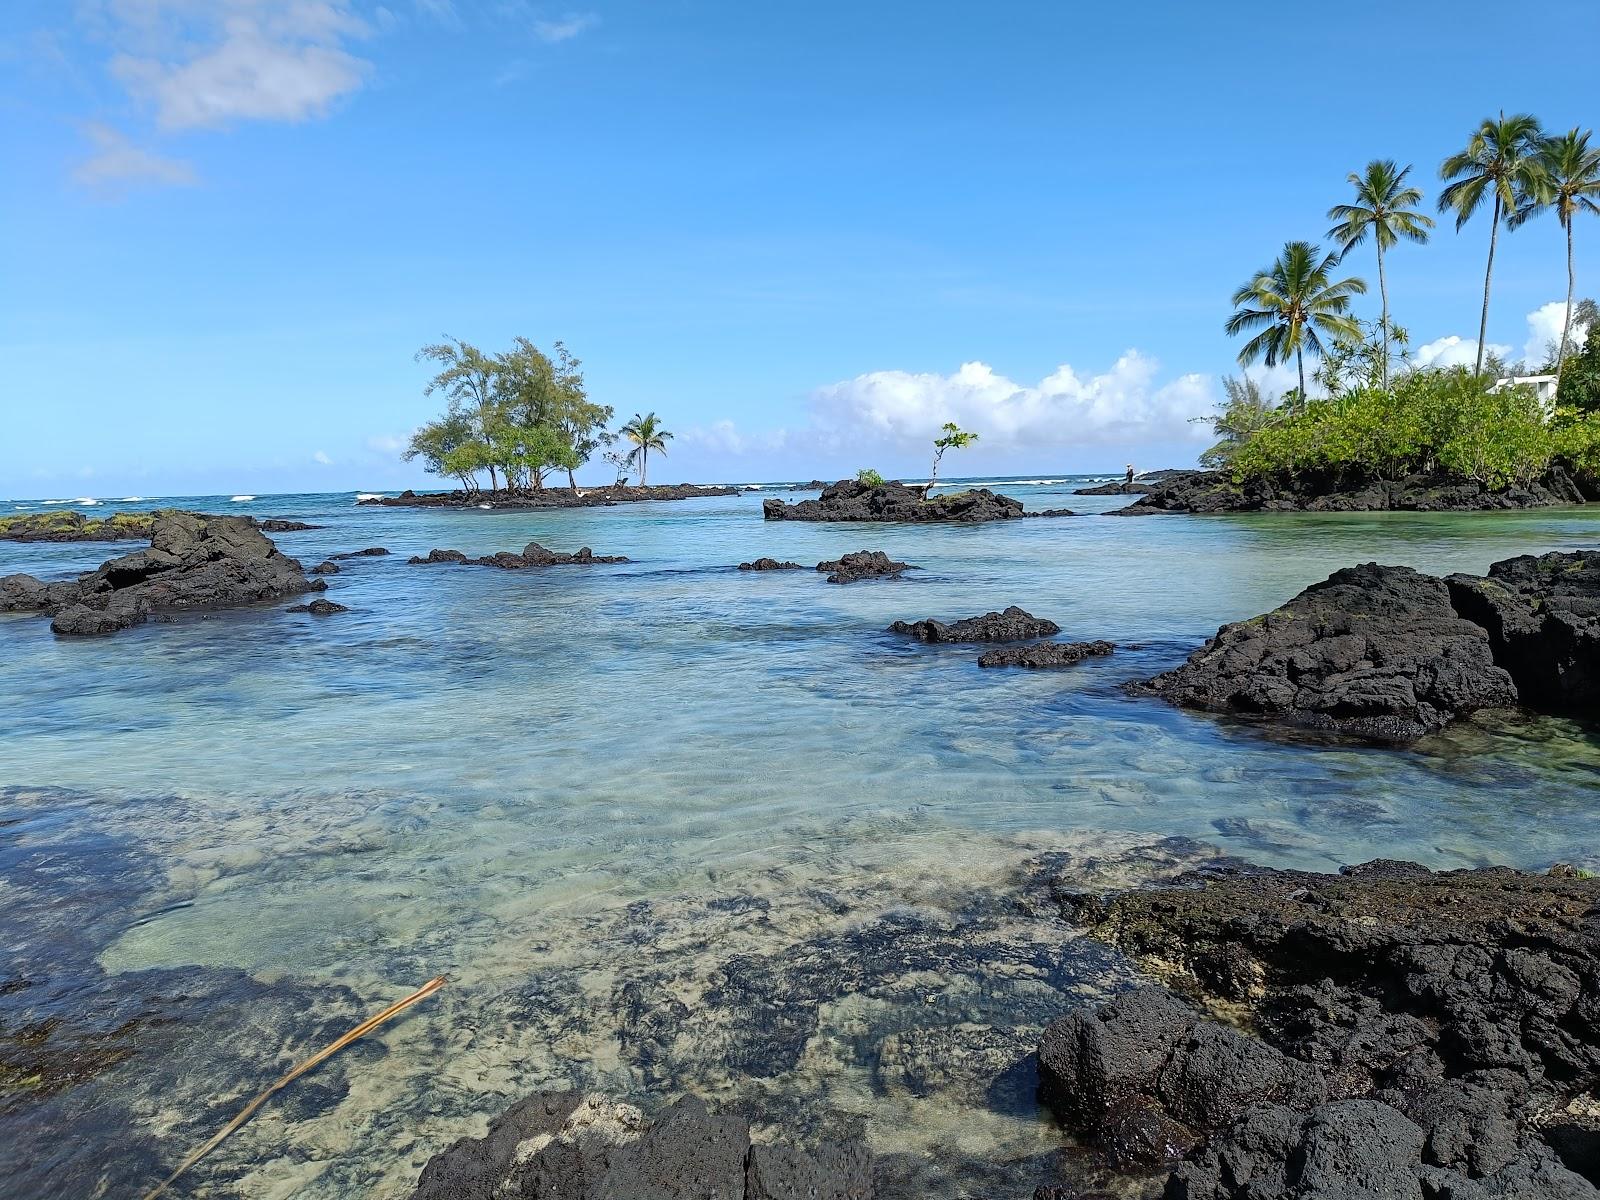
494 774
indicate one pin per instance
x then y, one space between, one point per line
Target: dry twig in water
361 1030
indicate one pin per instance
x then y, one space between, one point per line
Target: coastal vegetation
644 434
1445 422
1294 303
1500 163
517 415
1383 208
1376 414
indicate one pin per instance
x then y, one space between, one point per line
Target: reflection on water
667 825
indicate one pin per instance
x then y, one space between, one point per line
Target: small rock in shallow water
533 555
318 608
1045 654
1012 625
863 564
369 552
770 564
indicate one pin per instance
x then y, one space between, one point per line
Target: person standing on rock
1127 482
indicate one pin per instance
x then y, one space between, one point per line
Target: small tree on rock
954 438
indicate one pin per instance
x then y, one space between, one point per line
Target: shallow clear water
592 794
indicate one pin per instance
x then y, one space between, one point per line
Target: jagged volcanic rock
1372 652
192 563
1421 1034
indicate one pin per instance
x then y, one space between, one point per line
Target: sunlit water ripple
594 796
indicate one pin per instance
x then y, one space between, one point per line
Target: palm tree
646 435
1570 184
1383 209
1297 303
1500 159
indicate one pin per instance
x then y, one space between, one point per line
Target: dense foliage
1579 390
516 415
1445 422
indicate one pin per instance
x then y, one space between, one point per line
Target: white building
1544 386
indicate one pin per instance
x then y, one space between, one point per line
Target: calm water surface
610 801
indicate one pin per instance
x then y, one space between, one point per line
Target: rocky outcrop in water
572 1146
595 497
1388 654
1425 1036
68 526
1045 654
849 500
1116 488
369 552
533 555
770 564
863 564
1372 652
1012 625
192 563
1217 492
325 567
318 608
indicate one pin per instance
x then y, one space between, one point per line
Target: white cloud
1544 333
209 63
388 443
1454 351
1118 406
1122 407
321 457
561 29
117 161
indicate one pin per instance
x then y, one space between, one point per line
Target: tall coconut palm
1501 160
1294 302
646 434
1383 209
1569 184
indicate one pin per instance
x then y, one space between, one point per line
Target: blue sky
802 233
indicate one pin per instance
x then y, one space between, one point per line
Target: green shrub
869 477
1428 421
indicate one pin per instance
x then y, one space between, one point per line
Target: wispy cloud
564 28
118 163
321 458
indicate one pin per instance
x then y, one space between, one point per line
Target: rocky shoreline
66 525
595 497
1385 1033
1205 492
